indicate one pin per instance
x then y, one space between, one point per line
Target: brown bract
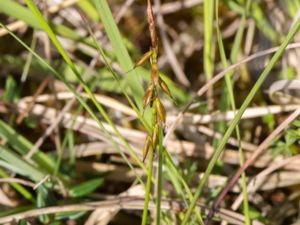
151 21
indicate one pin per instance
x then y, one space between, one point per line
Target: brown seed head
155 136
164 87
161 112
144 58
154 74
147 146
148 97
151 21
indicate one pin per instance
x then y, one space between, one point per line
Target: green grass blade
208 40
19 188
86 187
132 79
15 10
23 146
177 177
237 118
159 178
88 9
148 187
16 164
229 87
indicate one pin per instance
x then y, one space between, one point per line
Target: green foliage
255 214
44 198
191 168
85 188
70 215
288 145
269 120
15 163
23 146
110 77
132 79
23 222
10 92
19 188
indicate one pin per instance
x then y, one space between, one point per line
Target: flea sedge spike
147 146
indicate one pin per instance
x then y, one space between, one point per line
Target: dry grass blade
260 178
128 202
251 112
21 24
17 180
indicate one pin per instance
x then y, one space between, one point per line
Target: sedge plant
151 99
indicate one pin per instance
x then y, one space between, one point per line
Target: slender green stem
120 49
241 153
152 149
148 187
19 188
174 171
237 118
138 112
29 60
208 31
159 178
229 87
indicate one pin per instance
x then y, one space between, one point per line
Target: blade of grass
17 11
19 188
23 146
208 38
239 35
28 60
89 10
263 24
178 180
208 47
15 163
120 49
229 87
159 178
237 118
148 187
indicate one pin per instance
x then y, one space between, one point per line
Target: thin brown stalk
253 157
17 180
256 181
58 119
39 90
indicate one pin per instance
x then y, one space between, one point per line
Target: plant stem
148 187
159 178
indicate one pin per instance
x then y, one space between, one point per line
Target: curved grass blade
237 118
